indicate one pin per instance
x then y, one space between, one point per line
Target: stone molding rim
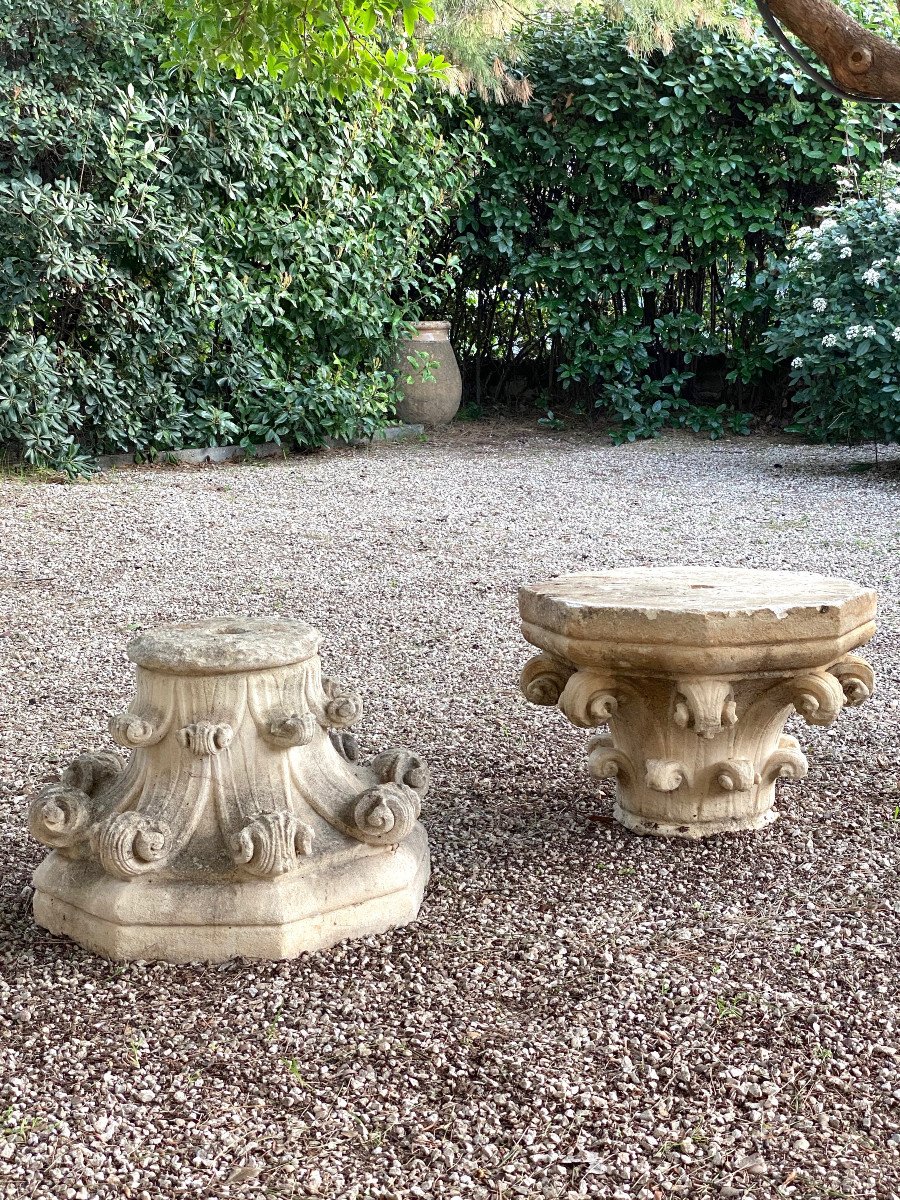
224 645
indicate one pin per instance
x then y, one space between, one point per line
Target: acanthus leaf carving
203 738
787 762
345 744
543 678
856 677
666 775
62 814
242 798
398 765
818 697
92 773
590 699
343 707
707 706
271 844
286 730
696 670
130 844
133 731
735 775
386 814
605 761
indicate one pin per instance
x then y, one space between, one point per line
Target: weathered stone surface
242 823
695 671
691 618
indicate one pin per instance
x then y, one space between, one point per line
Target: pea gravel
578 1011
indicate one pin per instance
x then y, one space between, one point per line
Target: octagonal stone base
351 895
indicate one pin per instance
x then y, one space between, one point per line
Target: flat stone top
219 645
696 606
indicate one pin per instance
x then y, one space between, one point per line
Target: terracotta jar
433 401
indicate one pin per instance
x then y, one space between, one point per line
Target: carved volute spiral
543 678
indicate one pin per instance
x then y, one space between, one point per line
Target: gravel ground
578 1012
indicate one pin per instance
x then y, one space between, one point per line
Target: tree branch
858 60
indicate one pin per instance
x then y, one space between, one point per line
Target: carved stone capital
695 671
244 822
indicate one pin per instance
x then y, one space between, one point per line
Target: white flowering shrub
837 321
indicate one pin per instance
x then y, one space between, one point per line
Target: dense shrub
837 309
183 264
612 246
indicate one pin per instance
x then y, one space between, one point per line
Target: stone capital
694 671
243 822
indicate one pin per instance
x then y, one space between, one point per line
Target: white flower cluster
815 256
828 223
820 304
829 340
796 363
859 331
871 277
846 252
895 333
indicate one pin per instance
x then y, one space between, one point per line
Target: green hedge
188 265
611 247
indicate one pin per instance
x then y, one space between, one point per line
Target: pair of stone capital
244 822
